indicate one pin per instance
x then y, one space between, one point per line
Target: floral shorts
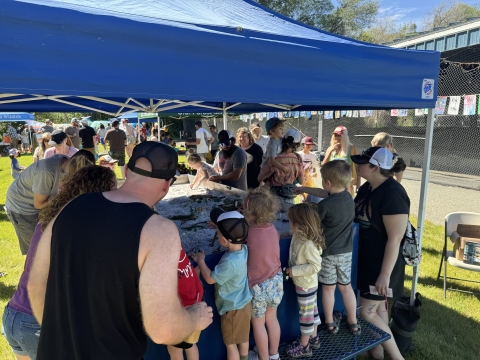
268 293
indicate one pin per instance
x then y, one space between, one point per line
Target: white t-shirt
310 163
202 148
263 141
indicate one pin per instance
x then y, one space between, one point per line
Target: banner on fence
469 104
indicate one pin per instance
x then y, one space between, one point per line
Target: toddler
265 276
232 295
204 170
304 263
274 127
14 165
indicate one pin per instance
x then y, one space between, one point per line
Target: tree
65 118
449 12
349 18
386 30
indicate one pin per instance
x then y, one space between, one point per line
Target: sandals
335 325
355 329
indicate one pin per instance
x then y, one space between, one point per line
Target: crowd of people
101 280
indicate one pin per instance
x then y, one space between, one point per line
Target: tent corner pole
427 154
224 116
158 131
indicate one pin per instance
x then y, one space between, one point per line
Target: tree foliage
386 30
348 18
448 12
65 118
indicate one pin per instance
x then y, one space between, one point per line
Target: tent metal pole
423 194
224 116
320 135
158 130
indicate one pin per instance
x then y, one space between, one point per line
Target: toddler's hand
199 256
289 272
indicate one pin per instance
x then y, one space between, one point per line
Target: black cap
198 123
212 126
231 224
57 138
163 158
224 136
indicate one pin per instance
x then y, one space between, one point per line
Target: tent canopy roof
193 56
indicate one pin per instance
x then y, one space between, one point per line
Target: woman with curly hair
21 327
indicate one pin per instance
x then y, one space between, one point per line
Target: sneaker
299 351
314 342
252 355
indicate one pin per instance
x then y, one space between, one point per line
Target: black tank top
92 307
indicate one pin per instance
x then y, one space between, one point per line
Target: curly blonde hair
74 164
260 206
305 221
89 179
248 133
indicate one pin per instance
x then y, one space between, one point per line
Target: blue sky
411 10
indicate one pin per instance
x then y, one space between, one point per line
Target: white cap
13 152
378 156
297 137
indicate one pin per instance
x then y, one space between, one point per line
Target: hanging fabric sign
419 112
453 105
440 105
402 112
469 104
328 115
394 112
355 113
349 113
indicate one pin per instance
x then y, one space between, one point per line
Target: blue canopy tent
199 56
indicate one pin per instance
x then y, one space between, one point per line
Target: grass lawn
448 329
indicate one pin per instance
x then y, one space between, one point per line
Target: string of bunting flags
470 107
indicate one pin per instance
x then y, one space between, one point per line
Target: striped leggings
307 302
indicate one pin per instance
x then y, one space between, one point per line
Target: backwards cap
162 157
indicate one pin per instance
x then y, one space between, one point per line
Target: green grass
448 329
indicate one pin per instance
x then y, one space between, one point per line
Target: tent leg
320 136
224 116
158 133
423 194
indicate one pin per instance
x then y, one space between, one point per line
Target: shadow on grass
6 291
430 281
434 252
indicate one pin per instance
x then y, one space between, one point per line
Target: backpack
410 246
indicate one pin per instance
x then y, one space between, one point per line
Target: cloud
397 13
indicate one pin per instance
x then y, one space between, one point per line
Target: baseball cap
255 125
340 130
198 123
57 138
212 126
107 158
162 157
13 152
124 119
271 123
308 140
377 156
224 137
295 134
231 224
85 121
74 120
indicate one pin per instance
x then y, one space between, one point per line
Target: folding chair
451 222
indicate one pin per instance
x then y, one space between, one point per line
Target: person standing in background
88 136
259 138
47 127
310 163
203 140
128 129
42 147
101 134
59 145
214 143
117 140
73 133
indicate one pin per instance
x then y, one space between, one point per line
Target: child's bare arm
199 258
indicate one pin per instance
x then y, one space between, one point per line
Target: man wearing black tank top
85 285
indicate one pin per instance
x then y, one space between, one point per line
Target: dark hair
288 143
115 123
155 132
398 166
102 126
90 157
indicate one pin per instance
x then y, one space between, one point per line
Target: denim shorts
22 332
267 293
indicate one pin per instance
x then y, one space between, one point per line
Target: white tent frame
162 105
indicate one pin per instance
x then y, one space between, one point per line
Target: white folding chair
451 222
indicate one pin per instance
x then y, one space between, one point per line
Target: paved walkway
445 178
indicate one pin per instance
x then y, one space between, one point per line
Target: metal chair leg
441 263
445 279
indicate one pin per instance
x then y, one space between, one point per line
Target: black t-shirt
254 160
390 198
337 212
87 133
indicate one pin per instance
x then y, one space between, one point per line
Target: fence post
423 194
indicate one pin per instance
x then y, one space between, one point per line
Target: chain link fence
456 138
